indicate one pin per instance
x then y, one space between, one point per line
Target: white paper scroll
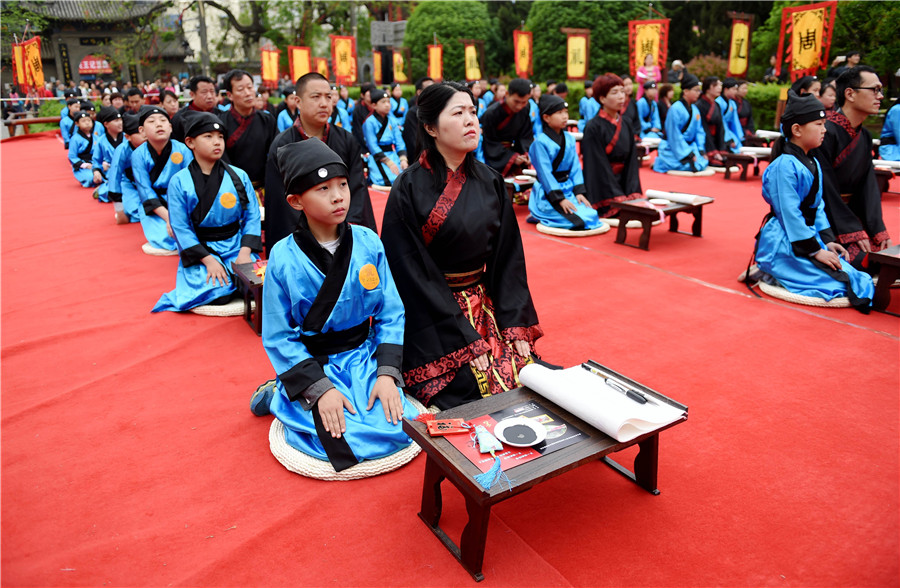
678 197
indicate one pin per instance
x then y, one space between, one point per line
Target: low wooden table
515 186
630 210
744 160
444 461
250 287
889 272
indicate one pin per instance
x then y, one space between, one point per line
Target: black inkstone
520 434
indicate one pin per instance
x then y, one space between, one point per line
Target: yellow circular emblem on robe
228 200
368 277
177 158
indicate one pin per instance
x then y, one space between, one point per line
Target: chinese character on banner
343 59
647 37
578 50
400 58
321 65
522 48
31 57
805 38
376 67
298 61
739 55
269 58
436 62
473 66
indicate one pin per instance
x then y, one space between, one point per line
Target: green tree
14 19
704 28
450 21
507 17
607 21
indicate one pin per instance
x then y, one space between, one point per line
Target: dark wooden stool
632 210
887 275
250 286
744 160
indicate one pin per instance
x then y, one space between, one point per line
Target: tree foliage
607 21
704 28
506 17
450 21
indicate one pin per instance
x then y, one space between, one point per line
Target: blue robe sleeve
399 143
284 120
97 157
542 153
700 135
302 376
369 128
784 190
140 166
65 129
730 122
114 173
675 120
183 200
76 146
389 320
251 224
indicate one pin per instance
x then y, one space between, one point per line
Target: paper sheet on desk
588 397
678 197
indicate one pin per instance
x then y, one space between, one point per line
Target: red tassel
425 417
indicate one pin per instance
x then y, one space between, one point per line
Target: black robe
179 120
479 231
359 115
249 151
745 115
630 113
506 136
846 160
281 218
711 117
613 176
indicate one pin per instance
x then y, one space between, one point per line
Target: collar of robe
335 268
808 203
207 187
303 136
159 159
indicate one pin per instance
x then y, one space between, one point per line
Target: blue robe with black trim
588 108
226 223
731 121
648 113
563 180
66 126
534 113
799 229
104 149
307 293
399 108
890 134
153 192
120 182
81 150
678 146
384 141
285 119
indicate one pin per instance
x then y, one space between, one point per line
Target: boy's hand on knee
98 179
244 256
386 390
567 206
331 407
215 271
583 199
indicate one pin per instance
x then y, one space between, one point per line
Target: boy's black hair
520 87
850 78
134 91
232 77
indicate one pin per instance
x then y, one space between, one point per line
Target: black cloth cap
550 103
800 110
308 163
520 87
202 122
649 84
376 95
80 115
288 91
130 123
561 88
87 105
146 111
108 114
689 81
729 83
588 83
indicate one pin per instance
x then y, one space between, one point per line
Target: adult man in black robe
361 112
315 105
411 124
203 99
248 132
507 130
849 188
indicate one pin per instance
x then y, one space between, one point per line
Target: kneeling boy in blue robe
154 163
684 148
120 177
558 197
104 149
332 321
796 245
81 150
214 215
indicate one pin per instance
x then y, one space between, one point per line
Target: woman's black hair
431 103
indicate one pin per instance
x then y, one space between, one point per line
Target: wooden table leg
646 463
727 170
886 276
622 231
673 222
257 315
697 227
432 501
474 538
744 167
644 243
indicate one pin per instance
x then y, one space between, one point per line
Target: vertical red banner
269 58
436 62
343 59
647 37
320 64
578 53
807 30
401 65
524 55
298 61
376 67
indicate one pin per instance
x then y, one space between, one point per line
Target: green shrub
707 65
764 99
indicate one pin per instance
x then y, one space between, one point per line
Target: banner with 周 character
805 38
739 53
578 51
31 61
522 49
343 59
436 62
647 37
298 61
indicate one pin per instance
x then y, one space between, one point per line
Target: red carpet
130 456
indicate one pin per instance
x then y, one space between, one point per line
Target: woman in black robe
455 252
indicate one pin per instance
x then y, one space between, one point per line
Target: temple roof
94 10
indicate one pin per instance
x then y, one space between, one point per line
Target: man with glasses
850 190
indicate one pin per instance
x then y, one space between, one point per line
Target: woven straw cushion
569 233
380 188
721 170
687 174
151 250
783 294
306 465
233 308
